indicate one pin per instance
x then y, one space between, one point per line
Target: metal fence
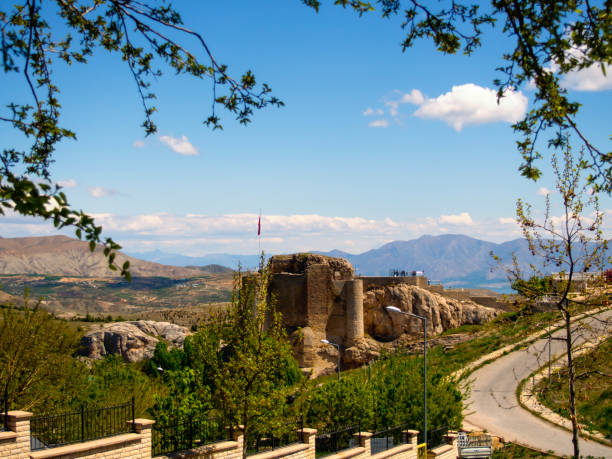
186 434
435 437
385 439
286 434
337 440
87 424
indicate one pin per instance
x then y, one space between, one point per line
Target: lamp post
337 346
424 319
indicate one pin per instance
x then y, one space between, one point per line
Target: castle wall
318 295
370 282
289 291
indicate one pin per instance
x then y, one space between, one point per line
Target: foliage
144 34
35 356
549 39
111 382
514 451
388 393
593 390
237 366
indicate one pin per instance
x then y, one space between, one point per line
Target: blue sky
373 144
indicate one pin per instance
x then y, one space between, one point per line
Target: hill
64 256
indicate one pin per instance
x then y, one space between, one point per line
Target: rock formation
442 313
320 299
134 341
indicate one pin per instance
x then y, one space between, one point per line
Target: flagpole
259 233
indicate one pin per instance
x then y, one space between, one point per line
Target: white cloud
181 146
379 123
472 104
195 234
370 111
100 192
413 97
139 143
588 79
461 219
70 183
543 191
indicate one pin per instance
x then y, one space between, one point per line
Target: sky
373 144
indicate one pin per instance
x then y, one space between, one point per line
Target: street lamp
337 346
424 319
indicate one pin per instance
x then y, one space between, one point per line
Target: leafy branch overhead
145 34
544 35
548 39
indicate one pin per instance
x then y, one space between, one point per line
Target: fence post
82 423
133 415
190 430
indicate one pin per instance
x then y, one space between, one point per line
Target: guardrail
56 430
385 439
332 441
287 434
186 434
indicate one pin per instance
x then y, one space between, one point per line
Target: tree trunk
570 378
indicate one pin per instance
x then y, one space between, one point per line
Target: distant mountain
64 256
455 260
221 259
213 269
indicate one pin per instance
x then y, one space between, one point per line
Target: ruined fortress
319 298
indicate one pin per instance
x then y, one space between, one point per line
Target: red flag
259 226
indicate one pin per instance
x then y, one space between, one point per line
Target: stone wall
15 444
370 282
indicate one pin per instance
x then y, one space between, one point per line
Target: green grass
513 451
593 390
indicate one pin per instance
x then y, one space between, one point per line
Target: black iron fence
332 441
284 435
83 425
435 437
187 434
385 439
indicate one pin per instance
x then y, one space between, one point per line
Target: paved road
493 406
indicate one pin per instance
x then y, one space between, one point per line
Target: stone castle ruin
319 298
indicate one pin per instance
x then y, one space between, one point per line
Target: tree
556 34
35 355
237 366
572 244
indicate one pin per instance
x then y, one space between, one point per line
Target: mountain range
455 260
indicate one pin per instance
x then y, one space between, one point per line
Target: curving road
493 406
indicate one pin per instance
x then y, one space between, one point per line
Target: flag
259 226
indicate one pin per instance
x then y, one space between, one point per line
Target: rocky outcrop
442 313
134 341
298 263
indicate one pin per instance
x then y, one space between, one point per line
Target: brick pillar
364 439
412 437
15 444
309 436
238 437
143 427
451 437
